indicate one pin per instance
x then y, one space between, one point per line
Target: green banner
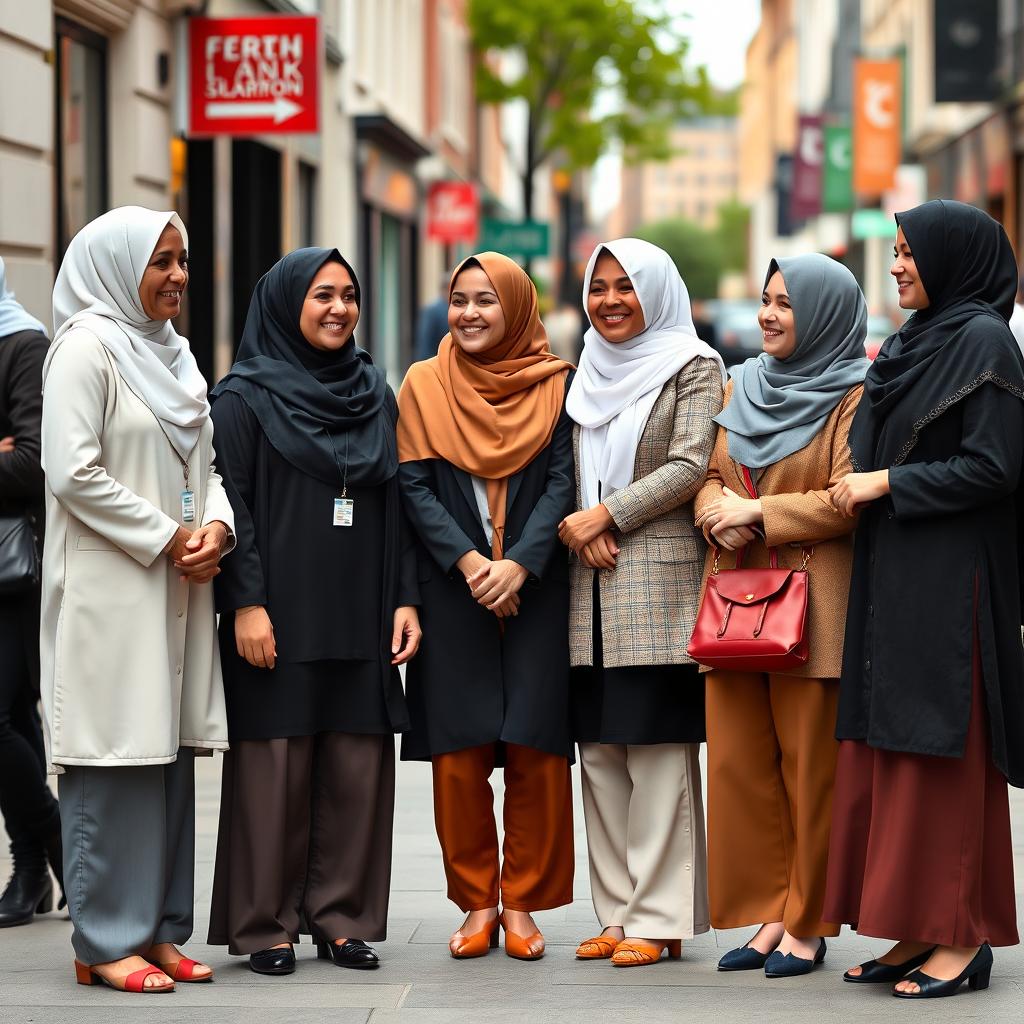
872 224
837 172
528 238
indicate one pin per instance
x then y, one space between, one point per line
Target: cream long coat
130 668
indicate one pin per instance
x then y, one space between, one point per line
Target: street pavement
420 984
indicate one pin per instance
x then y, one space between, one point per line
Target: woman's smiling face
778 325
475 316
330 311
612 304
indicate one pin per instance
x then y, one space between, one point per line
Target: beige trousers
645 837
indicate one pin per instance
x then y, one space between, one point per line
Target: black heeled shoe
30 890
976 974
744 958
352 953
786 965
273 961
874 972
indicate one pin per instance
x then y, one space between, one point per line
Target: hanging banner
877 124
837 170
966 51
807 167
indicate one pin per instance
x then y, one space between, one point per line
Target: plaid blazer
649 600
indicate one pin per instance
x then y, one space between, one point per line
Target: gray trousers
129 856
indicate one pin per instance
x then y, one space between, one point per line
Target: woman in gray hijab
782 442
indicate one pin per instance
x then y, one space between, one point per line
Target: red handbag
753 620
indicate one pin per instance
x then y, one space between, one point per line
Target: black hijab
320 410
959 342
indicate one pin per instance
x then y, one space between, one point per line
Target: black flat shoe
352 953
785 965
744 958
873 972
976 974
273 961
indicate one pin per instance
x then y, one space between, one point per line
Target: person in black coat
28 807
931 710
486 474
316 606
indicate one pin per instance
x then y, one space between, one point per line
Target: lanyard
342 470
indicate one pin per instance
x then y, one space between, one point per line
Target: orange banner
877 124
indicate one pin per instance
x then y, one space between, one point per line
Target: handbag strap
773 553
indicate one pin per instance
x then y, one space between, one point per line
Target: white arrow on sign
280 109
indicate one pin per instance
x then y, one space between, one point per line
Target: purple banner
805 200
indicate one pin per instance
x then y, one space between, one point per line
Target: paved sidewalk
420 984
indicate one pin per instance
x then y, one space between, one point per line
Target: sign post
251 76
528 238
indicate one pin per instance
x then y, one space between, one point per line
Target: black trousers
28 807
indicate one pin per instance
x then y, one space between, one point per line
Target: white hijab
616 385
98 288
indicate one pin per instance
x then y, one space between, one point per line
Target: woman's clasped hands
730 519
495 584
588 534
196 555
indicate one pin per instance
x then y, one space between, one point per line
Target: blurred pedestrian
565 331
643 399
431 324
28 807
771 745
930 711
486 473
136 520
316 615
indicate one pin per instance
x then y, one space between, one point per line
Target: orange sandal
478 944
518 946
183 970
601 948
639 954
135 982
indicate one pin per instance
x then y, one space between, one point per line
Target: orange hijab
490 414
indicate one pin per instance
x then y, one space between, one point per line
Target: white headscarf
13 317
98 288
617 385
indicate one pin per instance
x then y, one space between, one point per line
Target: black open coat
938 558
472 683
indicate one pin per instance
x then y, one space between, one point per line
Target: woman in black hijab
931 710
316 615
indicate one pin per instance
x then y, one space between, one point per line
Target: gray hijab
779 405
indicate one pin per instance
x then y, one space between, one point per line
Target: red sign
453 212
254 75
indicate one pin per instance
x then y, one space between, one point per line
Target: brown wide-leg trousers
305 828
771 766
921 846
537 855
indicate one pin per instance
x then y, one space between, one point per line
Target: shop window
307 204
81 122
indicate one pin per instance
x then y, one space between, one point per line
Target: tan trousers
771 768
537 860
645 837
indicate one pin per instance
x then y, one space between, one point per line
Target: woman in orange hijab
486 475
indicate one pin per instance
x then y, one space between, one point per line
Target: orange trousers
537 853
771 769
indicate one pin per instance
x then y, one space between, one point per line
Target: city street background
419 983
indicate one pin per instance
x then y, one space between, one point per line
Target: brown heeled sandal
478 944
639 954
518 946
601 947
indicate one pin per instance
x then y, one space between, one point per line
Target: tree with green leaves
573 51
696 252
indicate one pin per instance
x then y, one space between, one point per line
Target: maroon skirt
920 847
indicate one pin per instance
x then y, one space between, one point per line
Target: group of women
532 542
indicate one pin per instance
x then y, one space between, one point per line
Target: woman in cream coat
136 520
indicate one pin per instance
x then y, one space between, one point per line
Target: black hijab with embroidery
959 342
322 411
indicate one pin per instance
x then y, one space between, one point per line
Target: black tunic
324 588
471 682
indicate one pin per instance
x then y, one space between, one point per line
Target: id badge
188 506
343 511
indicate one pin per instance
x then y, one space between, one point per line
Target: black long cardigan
950 521
472 683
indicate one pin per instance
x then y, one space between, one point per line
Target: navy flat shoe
785 965
976 974
873 972
744 958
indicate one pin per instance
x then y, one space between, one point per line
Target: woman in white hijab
643 400
136 522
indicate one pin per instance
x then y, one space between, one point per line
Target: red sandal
184 970
134 982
